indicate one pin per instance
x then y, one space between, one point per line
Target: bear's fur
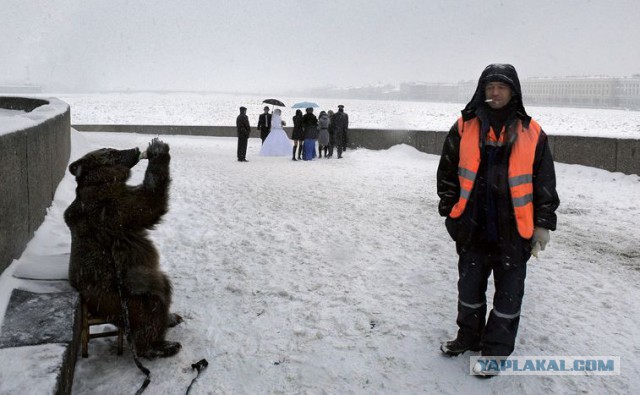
111 253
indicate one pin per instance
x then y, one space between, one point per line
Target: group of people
497 187
328 130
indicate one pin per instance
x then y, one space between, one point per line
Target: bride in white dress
277 142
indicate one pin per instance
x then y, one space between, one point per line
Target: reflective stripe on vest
520 169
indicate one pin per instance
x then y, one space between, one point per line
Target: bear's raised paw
157 147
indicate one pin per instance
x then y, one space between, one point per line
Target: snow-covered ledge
34 152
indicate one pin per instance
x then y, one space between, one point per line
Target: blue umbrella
305 104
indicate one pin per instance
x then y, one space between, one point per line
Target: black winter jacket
310 124
298 131
470 229
488 221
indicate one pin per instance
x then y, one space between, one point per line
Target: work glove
539 240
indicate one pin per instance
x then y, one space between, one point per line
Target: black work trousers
242 147
498 334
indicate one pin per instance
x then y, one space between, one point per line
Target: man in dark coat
244 130
340 125
497 189
264 124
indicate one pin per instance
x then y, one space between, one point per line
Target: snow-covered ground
337 276
222 109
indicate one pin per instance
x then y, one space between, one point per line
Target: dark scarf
494 158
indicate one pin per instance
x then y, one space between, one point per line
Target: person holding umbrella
264 124
310 124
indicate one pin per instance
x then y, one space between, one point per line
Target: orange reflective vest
520 171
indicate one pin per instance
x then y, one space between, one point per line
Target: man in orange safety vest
497 189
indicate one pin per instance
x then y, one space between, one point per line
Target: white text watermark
545 365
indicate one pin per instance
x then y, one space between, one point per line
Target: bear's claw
174 320
157 147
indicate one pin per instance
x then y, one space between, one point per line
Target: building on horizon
20 88
588 91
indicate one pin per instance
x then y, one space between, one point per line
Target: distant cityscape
20 88
590 91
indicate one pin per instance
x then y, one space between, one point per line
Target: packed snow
338 276
13 119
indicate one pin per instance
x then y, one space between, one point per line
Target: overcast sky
260 46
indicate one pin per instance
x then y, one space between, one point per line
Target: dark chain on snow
127 332
199 367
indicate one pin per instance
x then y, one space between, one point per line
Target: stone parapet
622 155
34 152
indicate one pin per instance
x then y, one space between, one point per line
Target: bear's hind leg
149 317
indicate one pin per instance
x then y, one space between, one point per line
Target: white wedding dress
277 142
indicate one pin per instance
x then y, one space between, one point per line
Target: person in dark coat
244 130
310 125
297 135
264 124
497 188
340 125
332 133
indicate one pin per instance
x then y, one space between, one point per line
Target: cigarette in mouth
488 100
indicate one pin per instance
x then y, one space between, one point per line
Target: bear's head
106 165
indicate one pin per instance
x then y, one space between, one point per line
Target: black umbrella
273 102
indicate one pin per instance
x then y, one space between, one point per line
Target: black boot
319 152
300 146
460 345
294 152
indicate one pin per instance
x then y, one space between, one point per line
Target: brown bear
111 253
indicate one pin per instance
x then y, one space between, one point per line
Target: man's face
499 93
266 110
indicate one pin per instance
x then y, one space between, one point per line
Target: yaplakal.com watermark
546 365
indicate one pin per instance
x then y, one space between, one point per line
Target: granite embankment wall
618 155
34 152
39 330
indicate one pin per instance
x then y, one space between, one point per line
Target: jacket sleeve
245 124
447 175
545 196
